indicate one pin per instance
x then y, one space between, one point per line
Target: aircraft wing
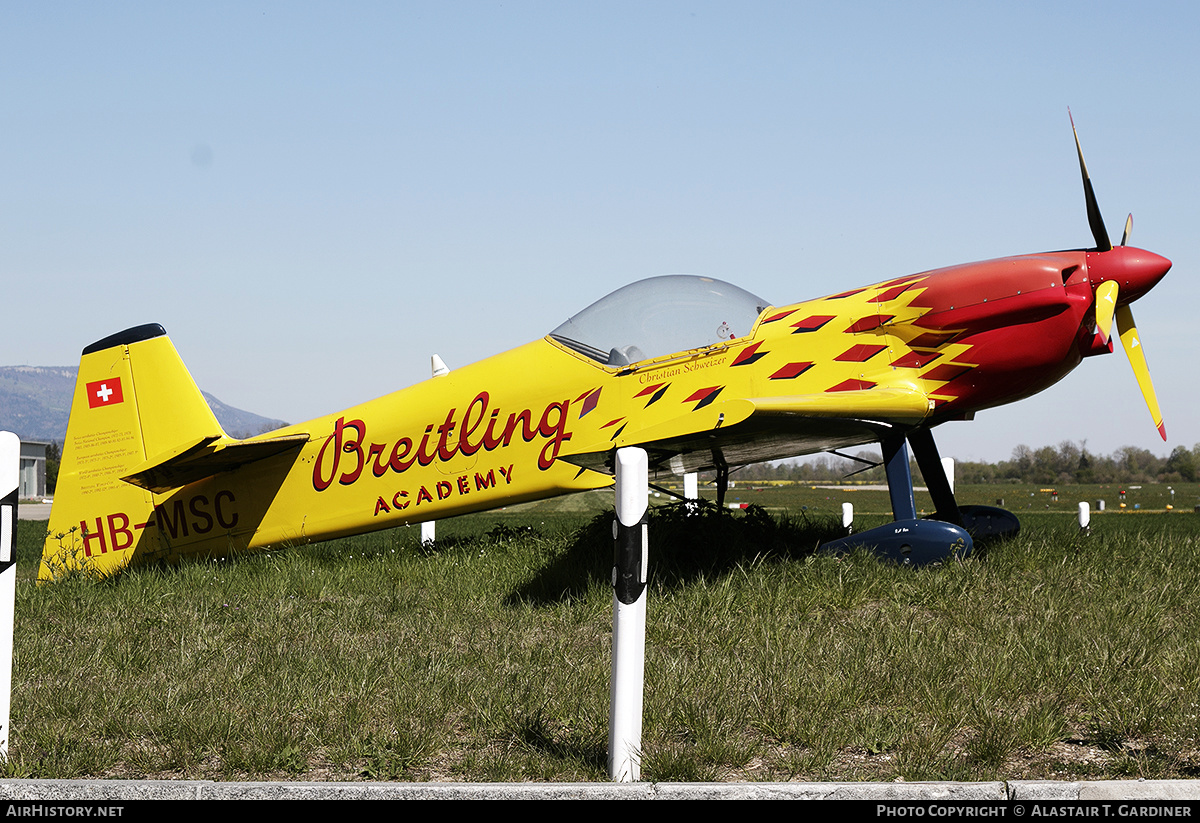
740 431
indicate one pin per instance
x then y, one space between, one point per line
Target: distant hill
35 402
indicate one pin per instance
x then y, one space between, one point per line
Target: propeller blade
1106 305
1137 359
1128 230
1095 220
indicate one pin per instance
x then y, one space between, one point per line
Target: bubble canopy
660 316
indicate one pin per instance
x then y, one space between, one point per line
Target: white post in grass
1085 517
630 557
691 489
848 518
10 481
429 527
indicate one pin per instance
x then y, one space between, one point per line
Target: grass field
1054 655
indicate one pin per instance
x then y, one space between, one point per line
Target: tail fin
135 405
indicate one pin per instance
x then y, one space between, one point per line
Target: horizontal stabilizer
206 457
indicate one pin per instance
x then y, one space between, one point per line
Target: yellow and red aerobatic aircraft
699 373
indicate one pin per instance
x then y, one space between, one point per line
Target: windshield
660 316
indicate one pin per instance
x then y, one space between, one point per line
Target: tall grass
1052 655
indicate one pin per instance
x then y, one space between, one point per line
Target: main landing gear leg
982 522
899 478
722 481
930 463
907 540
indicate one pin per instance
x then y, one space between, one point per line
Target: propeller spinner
1119 276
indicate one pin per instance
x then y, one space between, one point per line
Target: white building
33 470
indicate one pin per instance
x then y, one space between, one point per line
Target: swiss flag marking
105 393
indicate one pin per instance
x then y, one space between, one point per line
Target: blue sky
312 198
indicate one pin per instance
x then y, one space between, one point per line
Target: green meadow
485 657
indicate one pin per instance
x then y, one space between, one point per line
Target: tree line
1069 462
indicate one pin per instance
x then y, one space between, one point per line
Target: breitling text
347 453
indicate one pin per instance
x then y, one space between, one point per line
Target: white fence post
10 481
948 468
630 557
429 527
